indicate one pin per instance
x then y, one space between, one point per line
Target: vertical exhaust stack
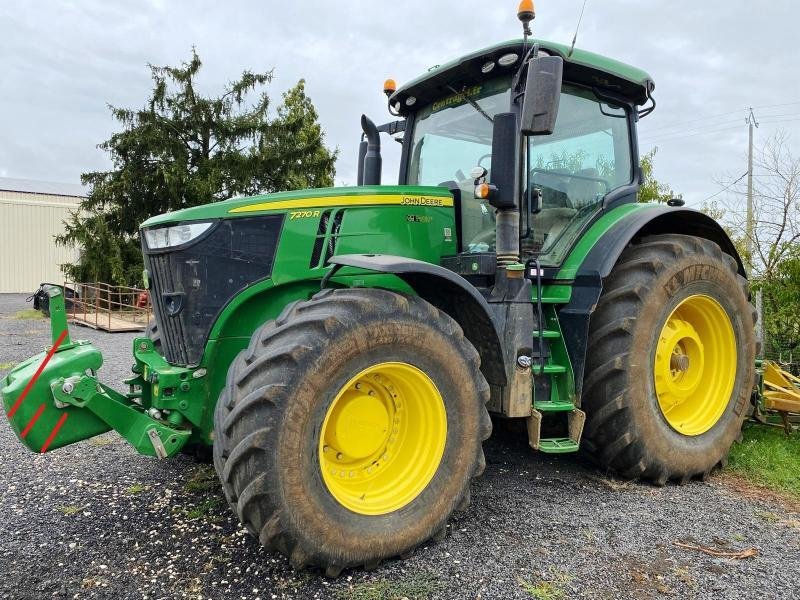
372 163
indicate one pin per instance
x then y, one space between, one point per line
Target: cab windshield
451 137
587 156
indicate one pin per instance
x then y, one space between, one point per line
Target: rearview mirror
542 94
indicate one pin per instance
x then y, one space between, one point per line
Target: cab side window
587 156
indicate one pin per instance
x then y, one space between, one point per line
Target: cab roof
581 67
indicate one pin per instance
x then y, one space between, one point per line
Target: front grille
171 330
191 284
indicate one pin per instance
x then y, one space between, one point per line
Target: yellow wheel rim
382 438
695 365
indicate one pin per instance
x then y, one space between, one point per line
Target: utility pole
751 122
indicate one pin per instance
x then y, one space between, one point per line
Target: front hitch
54 399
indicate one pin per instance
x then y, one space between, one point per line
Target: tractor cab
588 155
557 181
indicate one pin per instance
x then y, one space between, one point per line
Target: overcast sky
63 62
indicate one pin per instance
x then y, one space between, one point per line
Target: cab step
550 406
557 445
548 369
547 334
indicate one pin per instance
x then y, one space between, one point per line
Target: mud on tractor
341 349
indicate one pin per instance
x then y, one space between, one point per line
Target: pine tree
185 149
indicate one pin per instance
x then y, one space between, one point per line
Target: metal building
31 214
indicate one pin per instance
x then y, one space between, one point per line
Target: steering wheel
566 176
597 179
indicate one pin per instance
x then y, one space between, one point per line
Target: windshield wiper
471 102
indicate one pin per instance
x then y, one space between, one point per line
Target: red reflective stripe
36 375
53 433
33 420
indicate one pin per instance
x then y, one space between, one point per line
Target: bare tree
775 240
776 207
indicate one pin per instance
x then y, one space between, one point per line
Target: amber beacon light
526 13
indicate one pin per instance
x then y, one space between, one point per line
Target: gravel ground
95 520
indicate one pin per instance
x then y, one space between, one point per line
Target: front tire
670 364
350 428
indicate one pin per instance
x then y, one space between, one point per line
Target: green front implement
54 399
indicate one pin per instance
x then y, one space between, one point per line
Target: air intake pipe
372 161
362 153
505 169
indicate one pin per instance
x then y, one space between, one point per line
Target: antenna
577 27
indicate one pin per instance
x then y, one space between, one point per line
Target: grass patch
136 488
203 509
544 590
551 588
203 480
7 366
417 586
69 511
28 314
768 458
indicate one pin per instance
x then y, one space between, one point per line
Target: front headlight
174 235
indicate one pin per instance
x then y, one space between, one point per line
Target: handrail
100 304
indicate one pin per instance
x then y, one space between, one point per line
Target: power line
727 187
776 105
792 114
710 130
688 130
678 126
781 120
680 137
678 130
681 124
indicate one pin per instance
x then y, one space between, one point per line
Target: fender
447 291
599 261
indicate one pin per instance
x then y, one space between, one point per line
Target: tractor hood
309 199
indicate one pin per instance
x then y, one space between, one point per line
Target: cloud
65 61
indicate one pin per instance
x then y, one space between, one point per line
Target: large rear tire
350 428
670 364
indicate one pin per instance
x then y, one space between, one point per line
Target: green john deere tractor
341 349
